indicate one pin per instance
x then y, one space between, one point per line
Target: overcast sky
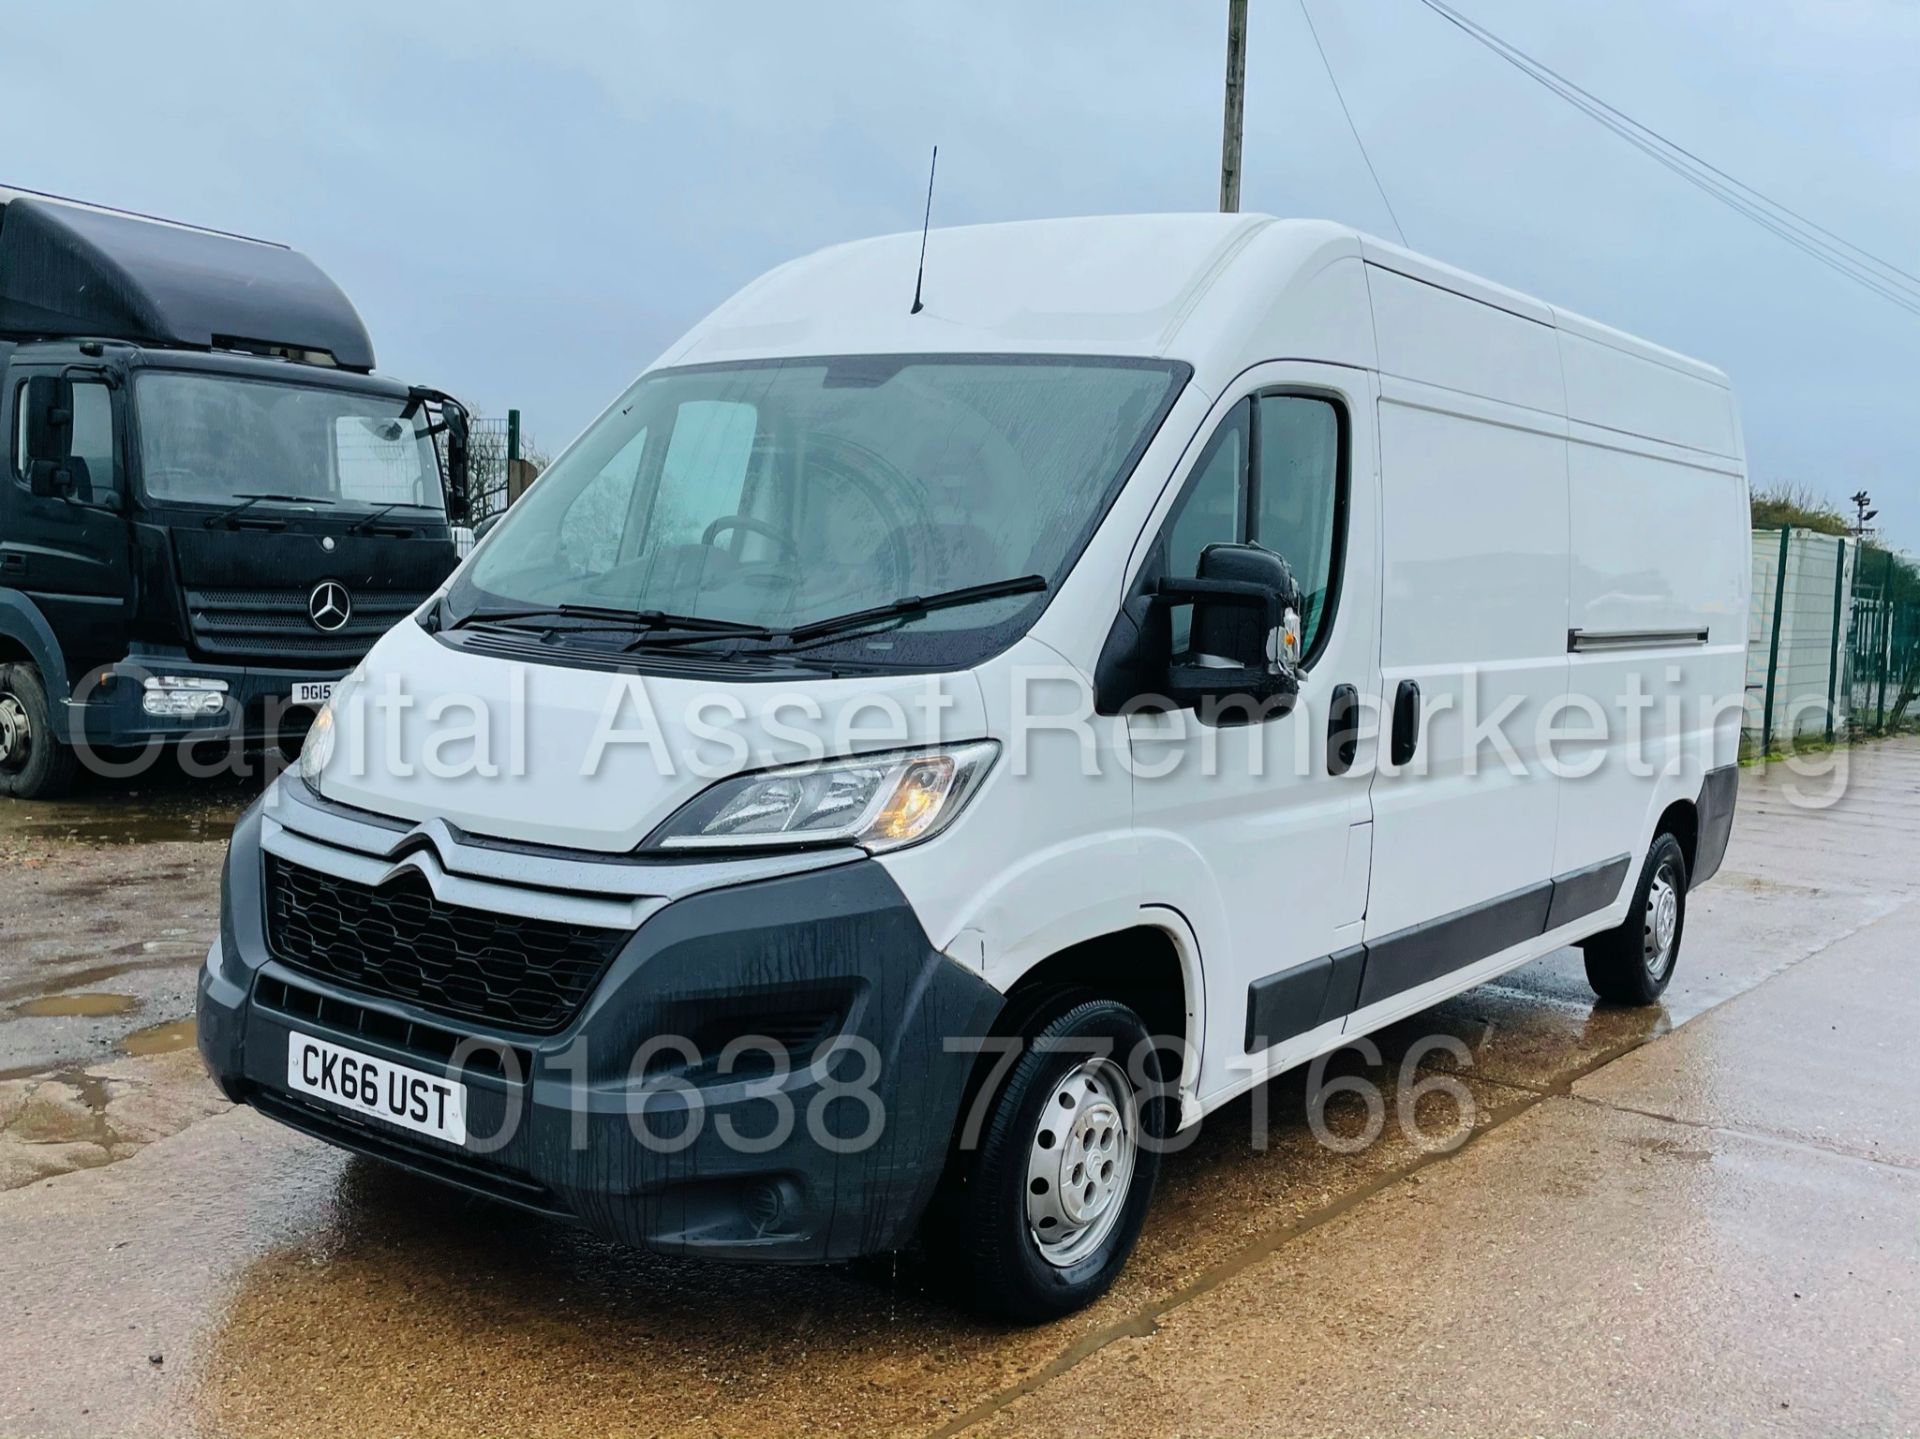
528 202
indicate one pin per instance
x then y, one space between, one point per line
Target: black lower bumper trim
1719 792
831 968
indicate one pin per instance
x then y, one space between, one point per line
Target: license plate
377 1088
316 693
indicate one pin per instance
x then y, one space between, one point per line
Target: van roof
1144 285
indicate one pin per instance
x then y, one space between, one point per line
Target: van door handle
13 564
1406 722
1343 728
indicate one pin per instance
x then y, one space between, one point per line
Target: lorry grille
273 624
401 941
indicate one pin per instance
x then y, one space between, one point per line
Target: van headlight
318 748
878 801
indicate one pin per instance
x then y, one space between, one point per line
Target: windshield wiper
375 516
910 606
614 617
247 502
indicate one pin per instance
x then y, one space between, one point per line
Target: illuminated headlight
878 802
178 697
318 748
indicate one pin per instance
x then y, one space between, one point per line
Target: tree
1786 503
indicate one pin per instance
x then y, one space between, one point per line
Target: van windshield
207 439
782 493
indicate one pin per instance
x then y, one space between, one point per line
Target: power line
1856 263
1486 36
1352 128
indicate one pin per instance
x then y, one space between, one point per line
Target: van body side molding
1581 642
1282 1005
1582 891
1293 1001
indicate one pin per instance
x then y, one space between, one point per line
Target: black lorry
212 506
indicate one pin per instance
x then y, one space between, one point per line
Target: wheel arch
26 635
1681 819
1152 965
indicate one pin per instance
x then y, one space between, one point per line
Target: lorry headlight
182 697
318 748
879 801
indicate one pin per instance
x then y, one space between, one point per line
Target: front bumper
259 709
848 1170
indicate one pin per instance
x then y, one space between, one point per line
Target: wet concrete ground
1704 1217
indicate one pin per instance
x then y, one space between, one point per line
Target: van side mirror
49 435
1239 664
459 464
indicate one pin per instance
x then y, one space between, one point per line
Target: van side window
1212 511
1272 473
594 527
1297 494
705 472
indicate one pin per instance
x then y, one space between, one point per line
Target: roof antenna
925 220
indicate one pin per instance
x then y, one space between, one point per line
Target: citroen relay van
905 764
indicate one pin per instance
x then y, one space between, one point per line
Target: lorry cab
210 506
902 767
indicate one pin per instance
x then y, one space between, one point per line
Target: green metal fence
492 447
1884 651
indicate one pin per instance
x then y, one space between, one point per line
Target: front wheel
1043 1214
1634 963
33 763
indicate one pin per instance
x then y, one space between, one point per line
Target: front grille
274 624
401 941
416 1037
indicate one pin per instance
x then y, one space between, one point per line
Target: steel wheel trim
1080 1162
16 732
1662 921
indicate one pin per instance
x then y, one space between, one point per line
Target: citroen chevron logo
329 606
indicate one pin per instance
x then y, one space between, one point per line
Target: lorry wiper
373 517
910 606
247 502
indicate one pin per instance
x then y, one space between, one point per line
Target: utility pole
1236 104
1861 500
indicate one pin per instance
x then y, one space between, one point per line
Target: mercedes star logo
329 606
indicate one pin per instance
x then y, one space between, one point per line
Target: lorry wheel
33 764
1041 1217
1633 964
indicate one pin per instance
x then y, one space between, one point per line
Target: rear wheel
1634 963
1040 1218
33 763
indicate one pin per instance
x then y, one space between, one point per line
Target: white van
898 768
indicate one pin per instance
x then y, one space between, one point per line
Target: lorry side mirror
1239 664
48 435
49 402
459 497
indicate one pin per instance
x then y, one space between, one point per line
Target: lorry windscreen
208 439
781 494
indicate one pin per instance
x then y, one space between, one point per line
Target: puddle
159 1038
76 1006
157 808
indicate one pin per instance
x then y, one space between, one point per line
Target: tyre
1633 964
1038 1219
33 764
